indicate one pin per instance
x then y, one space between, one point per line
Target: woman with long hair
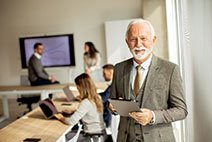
92 58
90 110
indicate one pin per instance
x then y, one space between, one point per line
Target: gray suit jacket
36 70
163 94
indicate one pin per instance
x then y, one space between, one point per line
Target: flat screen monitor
58 50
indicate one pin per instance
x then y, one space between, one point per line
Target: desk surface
99 85
43 87
34 125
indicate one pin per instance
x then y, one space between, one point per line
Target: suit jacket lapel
153 71
127 71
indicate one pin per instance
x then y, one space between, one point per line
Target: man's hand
52 78
143 117
112 110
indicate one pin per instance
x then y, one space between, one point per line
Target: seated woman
90 110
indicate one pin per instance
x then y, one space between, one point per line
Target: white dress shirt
37 55
144 67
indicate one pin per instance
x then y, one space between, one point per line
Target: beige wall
154 11
84 18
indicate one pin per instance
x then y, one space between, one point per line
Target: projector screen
58 50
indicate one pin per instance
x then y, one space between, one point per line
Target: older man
154 83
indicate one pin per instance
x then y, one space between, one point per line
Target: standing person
155 84
90 108
92 58
108 76
36 71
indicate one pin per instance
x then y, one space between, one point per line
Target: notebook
49 110
69 94
124 107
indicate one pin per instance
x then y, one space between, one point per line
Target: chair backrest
74 139
27 99
24 80
96 136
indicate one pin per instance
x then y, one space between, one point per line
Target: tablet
124 107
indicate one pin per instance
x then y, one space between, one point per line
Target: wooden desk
42 90
34 125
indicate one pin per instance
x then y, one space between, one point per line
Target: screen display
58 50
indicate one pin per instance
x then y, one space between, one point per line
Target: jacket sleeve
177 109
40 70
105 95
113 91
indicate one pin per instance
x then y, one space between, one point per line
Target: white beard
141 56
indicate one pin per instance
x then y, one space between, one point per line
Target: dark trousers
41 81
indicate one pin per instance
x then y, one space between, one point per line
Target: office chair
95 137
27 99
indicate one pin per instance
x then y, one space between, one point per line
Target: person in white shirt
91 57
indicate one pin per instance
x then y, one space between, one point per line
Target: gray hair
140 21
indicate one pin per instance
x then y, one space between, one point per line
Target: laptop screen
48 108
70 96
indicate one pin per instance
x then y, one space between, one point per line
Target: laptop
49 110
69 94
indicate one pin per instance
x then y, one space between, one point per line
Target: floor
16 111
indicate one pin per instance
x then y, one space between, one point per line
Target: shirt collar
110 82
37 55
145 64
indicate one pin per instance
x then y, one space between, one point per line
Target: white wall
152 10
117 49
200 14
36 17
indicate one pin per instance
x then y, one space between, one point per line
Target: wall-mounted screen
58 50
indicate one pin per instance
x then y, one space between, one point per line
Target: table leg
5 105
44 95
